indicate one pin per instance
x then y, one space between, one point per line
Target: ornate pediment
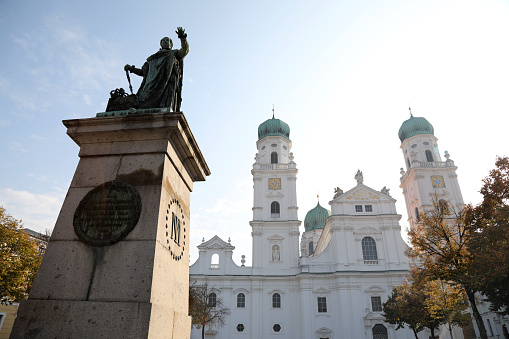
375 289
275 237
216 243
362 194
273 195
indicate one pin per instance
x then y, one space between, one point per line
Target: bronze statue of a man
162 75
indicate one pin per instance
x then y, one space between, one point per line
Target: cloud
37 211
37 137
17 147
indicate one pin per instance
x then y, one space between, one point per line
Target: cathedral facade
331 280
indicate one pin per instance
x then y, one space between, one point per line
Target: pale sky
341 73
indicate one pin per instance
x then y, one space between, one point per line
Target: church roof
273 127
414 126
315 218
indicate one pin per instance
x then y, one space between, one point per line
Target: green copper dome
274 127
315 218
414 126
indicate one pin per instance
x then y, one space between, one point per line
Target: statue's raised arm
162 74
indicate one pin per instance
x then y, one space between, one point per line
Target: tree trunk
477 316
203 332
450 329
432 333
415 333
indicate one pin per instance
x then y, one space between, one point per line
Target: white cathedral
331 282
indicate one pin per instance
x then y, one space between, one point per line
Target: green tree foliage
19 259
489 244
205 310
440 242
447 302
413 304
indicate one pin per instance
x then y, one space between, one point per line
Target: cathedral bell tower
275 225
427 177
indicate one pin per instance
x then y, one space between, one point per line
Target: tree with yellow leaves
19 259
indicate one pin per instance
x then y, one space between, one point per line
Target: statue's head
166 43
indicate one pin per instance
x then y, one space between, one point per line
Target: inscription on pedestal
176 229
107 213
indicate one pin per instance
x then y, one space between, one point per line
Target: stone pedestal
136 287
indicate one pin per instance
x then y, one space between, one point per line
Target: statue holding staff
162 79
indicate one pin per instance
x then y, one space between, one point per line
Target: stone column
117 265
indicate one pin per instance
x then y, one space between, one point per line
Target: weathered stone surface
83 319
133 288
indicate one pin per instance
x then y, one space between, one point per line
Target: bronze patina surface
107 213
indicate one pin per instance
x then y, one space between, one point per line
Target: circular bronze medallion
176 229
107 213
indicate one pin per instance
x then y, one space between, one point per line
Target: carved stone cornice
256 234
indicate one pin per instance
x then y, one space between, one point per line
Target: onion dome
414 126
315 218
274 127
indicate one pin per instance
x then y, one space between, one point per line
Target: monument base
93 319
109 272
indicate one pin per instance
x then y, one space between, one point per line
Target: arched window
429 156
417 217
273 158
212 299
311 250
380 332
241 300
369 251
407 163
274 210
214 261
276 300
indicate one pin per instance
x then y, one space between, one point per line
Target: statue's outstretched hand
128 68
181 33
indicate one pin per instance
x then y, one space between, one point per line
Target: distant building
41 239
349 259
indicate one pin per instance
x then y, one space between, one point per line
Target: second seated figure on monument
162 79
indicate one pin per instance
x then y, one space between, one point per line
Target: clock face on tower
275 184
437 181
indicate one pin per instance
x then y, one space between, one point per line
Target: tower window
376 304
212 299
443 207
276 300
322 305
274 210
369 251
273 158
241 300
408 162
311 250
240 327
368 208
417 217
429 156
358 208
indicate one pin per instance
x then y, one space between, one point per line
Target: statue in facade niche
162 73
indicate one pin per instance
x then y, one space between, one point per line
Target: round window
414 145
274 145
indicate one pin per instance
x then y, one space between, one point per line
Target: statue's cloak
161 77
